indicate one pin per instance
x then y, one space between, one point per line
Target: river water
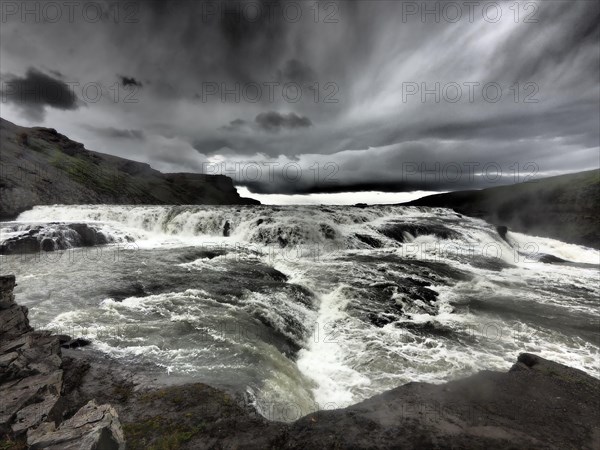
312 307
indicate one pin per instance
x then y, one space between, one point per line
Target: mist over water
309 307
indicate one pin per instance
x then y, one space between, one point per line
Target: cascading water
310 307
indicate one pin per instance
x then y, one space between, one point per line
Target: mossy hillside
178 415
44 167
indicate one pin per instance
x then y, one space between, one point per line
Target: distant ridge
564 207
42 167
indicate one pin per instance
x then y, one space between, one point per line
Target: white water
509 302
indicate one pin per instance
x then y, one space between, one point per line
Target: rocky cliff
32 385
563 207
39 166
60 398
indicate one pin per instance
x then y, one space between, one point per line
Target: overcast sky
360 96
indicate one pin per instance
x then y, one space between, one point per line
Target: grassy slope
562 207
41 166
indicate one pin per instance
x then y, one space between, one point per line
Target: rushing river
309 307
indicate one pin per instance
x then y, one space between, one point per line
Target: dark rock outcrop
52 237
47 168
75 343
399 231
13 318
369 240
92 427
562 207
502 230
226 229
537 404
31 388
551 259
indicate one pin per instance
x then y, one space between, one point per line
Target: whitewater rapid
309 307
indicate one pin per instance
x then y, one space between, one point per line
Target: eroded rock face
30 373
52 237
92 427
13 318
31 385
403 232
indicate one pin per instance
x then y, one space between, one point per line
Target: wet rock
53 236
13 321
31 387
62 338
487 263
25 392
120 293
381 319
17 245
76 343
399 231
48 245
101 238
502 230
327 231
551 259
430 328
92 427
200 253
536 406
226 229
87 234
32 415
7 284
369 240
30 354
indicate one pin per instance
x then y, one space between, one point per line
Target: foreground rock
25 239
537 404
31 389
93 427
53 399
43 167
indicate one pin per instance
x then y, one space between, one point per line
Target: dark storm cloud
235 124
578 119
35 91
219 41
353 110
210 146
271 122
117 133
545 45
130 81
297 72
274 122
